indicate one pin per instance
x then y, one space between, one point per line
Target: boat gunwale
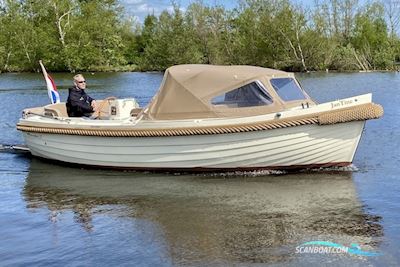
357 112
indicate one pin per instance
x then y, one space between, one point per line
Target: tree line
97 35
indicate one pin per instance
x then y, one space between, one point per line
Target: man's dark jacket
78 103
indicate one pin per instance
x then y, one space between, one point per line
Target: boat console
122 108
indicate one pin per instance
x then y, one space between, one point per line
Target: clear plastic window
249 95
287 89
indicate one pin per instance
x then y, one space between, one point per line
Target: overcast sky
140 8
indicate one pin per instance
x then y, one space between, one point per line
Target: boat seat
60 110
56 110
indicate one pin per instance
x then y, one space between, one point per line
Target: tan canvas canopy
186 91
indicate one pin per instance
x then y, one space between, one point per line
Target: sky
140 8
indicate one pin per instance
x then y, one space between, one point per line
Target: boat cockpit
110 108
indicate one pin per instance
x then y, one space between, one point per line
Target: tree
292 25
67 34
82 35
207 24
370 38
174 42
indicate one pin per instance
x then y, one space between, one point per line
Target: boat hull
292 147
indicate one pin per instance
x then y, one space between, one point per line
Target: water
56 215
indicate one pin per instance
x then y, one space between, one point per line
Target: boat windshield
287 89
249 95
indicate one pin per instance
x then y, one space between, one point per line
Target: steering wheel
96 114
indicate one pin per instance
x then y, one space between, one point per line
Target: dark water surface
56 215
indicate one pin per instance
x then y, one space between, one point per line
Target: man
79 104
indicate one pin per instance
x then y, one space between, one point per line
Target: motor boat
207 118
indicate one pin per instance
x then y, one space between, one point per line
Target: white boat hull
291 147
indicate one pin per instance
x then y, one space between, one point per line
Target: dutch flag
51 86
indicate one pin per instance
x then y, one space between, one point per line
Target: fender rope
357 113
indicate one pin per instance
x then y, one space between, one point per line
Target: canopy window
287 89
249 95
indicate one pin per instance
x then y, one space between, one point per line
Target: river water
56 215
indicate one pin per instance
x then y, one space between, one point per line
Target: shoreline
160 71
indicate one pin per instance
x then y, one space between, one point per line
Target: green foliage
371 37
78 35
67 34
173 42
98 41
344 59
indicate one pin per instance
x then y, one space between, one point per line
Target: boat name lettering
341 103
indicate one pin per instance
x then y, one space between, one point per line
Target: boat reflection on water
212 219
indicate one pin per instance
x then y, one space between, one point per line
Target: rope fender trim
358 113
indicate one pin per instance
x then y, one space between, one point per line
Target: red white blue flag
51 86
